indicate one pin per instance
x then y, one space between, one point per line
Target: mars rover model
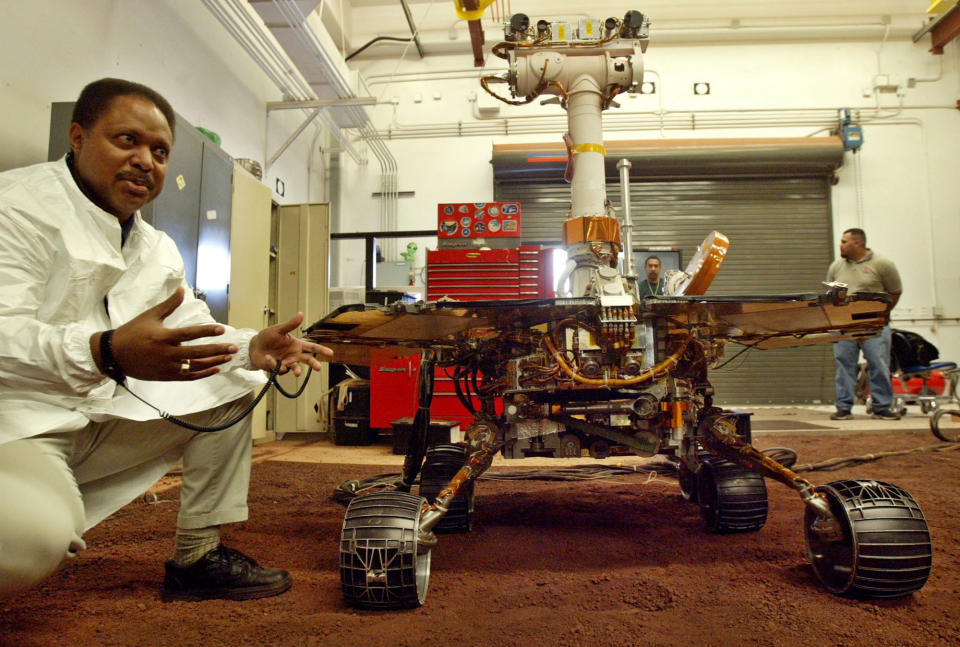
600 366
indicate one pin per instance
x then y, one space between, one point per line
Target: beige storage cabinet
302 272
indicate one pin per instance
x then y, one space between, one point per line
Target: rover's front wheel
884 550
381 566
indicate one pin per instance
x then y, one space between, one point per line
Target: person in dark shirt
653 285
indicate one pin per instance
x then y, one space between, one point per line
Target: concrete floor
765 420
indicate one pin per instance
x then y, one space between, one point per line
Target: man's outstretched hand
146 350
275 344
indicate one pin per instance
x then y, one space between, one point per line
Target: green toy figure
411 252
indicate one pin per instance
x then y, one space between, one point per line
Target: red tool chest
529 272
393 390
473 275
489 274
465 275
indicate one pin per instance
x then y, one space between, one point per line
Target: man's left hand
275 343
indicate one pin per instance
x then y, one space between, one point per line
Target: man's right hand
146 350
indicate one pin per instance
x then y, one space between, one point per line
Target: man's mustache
139 178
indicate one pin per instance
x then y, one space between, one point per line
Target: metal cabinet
213 230
250 266
301 268
489 274
471 275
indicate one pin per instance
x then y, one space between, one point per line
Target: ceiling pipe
314 48
619 121
269 57
413 27
438 41
415 38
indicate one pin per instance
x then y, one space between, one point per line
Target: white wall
50 49
904 193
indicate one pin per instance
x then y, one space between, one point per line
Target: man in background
653 285
864 271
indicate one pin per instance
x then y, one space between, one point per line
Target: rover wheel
440 465
688 482
380 565
885 551
945 425
731 497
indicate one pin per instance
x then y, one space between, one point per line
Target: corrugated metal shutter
781 242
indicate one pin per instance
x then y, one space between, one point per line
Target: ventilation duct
320 73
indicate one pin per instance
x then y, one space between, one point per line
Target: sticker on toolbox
497 219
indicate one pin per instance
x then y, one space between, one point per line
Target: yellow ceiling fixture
471 14
940 6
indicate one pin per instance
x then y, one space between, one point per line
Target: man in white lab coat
92 297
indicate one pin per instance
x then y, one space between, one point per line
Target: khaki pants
54 487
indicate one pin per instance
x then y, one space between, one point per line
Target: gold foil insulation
594 229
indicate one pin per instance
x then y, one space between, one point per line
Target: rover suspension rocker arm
719 433
482 444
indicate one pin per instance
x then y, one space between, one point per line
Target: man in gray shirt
864 271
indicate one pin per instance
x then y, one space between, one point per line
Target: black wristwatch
108 362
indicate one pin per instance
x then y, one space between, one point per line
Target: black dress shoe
223 573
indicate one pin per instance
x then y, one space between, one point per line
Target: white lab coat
59 256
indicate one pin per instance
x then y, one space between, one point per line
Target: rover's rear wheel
380 565
945 425
441 464
731 497
885 550
688 482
